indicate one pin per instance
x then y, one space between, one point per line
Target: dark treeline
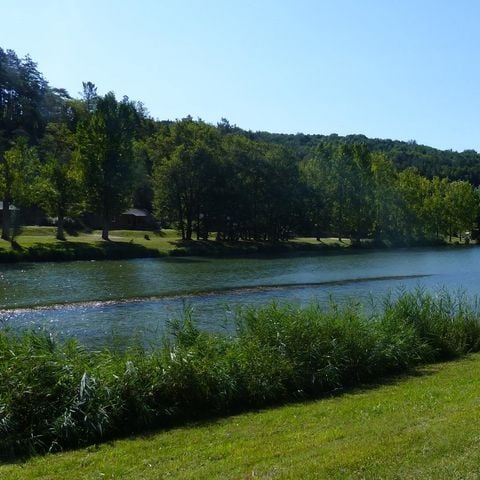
96 154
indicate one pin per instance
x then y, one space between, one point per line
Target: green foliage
58 187
430 417
18 175
56 394
105 153
99 156
184 178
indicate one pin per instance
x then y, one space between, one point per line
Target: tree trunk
188 229
182 229
198 226
105 229
6 219
60 227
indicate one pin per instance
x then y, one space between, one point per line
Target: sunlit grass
39 243
419 427
33 240
56 394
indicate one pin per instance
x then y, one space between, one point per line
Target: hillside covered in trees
66 157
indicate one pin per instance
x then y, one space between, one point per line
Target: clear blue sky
406 69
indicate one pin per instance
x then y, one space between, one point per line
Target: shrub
56 394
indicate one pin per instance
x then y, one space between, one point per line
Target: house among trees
130 219
135 219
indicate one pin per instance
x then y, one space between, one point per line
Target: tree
349 170
105 152
436 206
22 91
58 187
414 191
18 173
462 206
319 185
89 96
184 178
387 202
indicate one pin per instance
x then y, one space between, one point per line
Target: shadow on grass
67 251
216 248
260 249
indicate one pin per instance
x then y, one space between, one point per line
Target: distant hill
428 160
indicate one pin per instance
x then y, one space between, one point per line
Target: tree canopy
96 154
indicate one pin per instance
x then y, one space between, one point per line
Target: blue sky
385 68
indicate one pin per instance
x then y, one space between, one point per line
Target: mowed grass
39 243
415 427
42 241
31 236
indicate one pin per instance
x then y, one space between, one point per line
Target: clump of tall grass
56 394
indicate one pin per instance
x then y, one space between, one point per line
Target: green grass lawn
416 427
30 236
41 241
39 244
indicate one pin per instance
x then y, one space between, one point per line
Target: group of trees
97 154
208 179
360 194
61 154
205 181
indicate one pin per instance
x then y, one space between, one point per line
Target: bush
56 395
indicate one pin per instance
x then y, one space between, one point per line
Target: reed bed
56 394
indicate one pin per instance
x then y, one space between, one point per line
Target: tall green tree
387 201
414 192
58 187
22 93
18 174
353 188
184 178
436 207
319 179
105 152
462 207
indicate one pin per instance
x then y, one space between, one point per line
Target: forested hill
428 160
74 158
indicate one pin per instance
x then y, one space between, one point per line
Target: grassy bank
58 395
39 244
419 427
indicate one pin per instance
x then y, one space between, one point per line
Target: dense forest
67 156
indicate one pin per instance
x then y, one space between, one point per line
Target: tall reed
57 394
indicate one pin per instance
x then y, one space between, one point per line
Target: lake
104 301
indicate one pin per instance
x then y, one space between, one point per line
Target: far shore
38 244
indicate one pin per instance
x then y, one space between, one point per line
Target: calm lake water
98 302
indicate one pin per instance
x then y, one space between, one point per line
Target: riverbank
56 394
37 244
421 426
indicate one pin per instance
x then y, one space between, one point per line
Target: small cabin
135 219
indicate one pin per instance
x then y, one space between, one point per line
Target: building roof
11 207
136 212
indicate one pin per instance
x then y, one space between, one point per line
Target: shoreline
131 245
